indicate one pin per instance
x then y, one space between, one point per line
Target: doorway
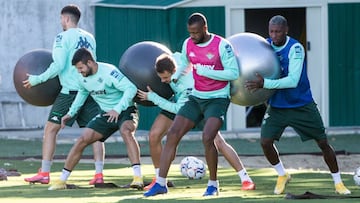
256 21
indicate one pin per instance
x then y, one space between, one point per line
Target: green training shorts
305 120
62 105
100 124
168 114
197 109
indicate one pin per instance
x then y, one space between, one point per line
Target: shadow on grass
185 190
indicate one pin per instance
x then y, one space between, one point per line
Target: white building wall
32 24
26 25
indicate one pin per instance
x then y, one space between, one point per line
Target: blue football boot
156 190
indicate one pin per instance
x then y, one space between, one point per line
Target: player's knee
173 132
83 141
127 132
219 143
207 139
266 143
154 137
323 144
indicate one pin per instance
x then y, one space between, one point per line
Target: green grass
16 190
287 145
17 154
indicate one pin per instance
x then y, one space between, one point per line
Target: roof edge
140 6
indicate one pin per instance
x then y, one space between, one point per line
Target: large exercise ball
36 62
138 64
254 55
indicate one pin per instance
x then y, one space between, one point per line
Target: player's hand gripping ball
254 55
36 62
138 64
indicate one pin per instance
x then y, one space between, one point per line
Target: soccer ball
192 167
357 176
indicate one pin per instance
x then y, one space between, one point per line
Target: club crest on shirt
210 56
100 80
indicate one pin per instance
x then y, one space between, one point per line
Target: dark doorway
256 21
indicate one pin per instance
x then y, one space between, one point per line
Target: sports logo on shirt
54 118
298 51
59 38
116 74
83 43
97 92
58 41
188 91
205 66
229 50
222 117
266 116
192 54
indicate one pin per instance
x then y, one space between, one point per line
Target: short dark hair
83 55
197 18
165 62
278 20
73 10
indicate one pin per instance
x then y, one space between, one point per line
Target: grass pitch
190 191
24 156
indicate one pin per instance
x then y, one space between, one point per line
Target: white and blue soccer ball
357 176
192 167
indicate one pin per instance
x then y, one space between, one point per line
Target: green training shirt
182 89
109 88
296 59
65 45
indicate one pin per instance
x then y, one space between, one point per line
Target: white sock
161 181
336 177
244 176
45 166
99 166
280 169
214 183
65 174
136 169
157 172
